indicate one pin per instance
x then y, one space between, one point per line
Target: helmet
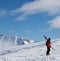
48 38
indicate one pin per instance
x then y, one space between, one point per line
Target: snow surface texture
10 41
31 52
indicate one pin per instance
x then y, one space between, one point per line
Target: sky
30 18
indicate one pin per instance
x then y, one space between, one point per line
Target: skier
48 45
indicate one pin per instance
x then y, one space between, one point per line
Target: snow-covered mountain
10 41
27 41
31 52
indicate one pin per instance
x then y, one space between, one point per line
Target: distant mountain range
9 41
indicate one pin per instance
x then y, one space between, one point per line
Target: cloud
51 6
38 6
21 18
3 12
55 23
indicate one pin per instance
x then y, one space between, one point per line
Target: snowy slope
10 41
31 52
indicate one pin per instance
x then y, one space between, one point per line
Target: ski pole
53 48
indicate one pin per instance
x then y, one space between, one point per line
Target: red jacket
48 44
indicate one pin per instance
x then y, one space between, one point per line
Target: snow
11 41
31 52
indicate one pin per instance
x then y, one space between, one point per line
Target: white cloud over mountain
51 6
55 23
38 6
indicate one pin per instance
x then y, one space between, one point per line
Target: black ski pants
48 50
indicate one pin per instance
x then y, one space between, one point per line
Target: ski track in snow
33 52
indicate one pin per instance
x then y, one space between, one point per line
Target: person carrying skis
48 45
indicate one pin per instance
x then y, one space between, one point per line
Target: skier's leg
48 50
